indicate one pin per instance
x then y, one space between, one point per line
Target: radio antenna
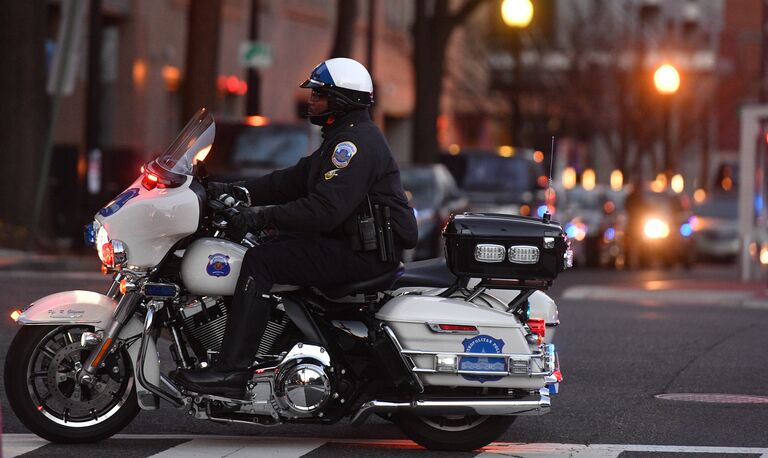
547 217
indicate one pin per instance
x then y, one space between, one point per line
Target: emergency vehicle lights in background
231 85
576 230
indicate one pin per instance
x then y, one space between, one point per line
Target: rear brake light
457 327
537 326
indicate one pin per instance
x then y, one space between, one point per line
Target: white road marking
19 444
682 296
286 447
212 446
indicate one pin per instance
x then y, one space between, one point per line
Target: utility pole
202 56
89 184
253 96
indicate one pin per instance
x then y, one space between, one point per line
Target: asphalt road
616 357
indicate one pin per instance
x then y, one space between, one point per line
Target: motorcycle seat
429 272
370 286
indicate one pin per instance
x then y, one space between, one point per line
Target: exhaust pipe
525 406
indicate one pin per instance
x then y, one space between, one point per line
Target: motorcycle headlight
655 228
102 238
113 253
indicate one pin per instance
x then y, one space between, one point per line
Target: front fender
94 309
70 307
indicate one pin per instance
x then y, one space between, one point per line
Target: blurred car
498 184
717 227
244 150
433 195
594 222
659 229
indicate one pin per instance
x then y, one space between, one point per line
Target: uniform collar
347 119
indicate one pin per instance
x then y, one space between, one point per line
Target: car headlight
655 228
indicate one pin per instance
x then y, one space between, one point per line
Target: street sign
255 54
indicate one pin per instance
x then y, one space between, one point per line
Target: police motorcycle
451 350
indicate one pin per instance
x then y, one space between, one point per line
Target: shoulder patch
343 153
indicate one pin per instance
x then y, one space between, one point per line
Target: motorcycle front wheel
42 388
453 432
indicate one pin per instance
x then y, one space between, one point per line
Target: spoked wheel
453 432
42 387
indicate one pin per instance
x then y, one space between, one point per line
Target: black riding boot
246 322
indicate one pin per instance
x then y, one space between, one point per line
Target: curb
750 297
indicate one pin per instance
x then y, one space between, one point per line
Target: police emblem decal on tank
112 207
218 265
330 174
482 344
343 153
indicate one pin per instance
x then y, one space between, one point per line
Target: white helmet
346 81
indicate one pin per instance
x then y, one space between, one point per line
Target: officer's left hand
248 220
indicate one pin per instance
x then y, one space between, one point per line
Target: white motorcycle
451 350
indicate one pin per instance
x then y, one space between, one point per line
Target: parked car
591 220
717 227
498 184
659 229
243 150
433 195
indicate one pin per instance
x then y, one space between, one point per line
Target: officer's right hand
216 189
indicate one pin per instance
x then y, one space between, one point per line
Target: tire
63 410
453 433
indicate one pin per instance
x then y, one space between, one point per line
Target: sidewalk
679 291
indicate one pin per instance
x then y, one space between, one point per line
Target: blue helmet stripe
323 75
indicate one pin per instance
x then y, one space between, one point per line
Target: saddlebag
452 342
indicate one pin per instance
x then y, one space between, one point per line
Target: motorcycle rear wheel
42 390
453 432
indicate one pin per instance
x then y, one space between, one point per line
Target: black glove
248 220
216 189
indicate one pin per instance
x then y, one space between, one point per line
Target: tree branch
463 13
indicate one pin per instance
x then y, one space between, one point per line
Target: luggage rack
526 288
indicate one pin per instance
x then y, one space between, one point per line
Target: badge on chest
343 154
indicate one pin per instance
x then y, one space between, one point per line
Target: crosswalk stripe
197 446
19 444
242 447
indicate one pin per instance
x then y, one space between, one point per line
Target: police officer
318 205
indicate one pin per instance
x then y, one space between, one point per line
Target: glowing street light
588 180
678 183
666 78
517 13
617 180
569 178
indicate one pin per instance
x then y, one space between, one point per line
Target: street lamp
516 14
666 78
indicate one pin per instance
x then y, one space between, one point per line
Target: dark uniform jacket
327 188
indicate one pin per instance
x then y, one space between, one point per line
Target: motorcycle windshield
191 145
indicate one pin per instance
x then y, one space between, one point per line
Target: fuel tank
210 266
